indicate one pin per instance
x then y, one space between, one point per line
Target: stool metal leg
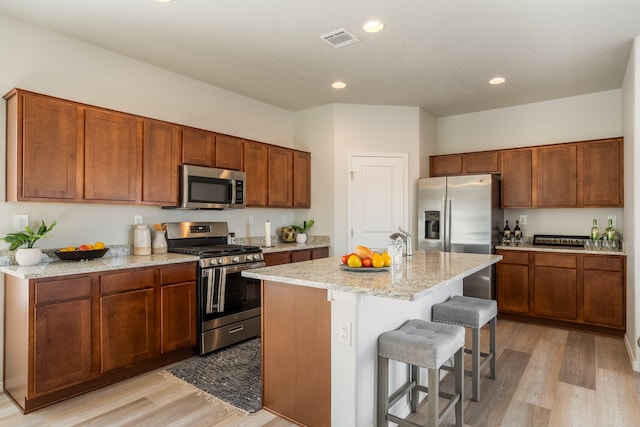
415 392
475 364
492 348
383 390
459 385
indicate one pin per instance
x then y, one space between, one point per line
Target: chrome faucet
406 239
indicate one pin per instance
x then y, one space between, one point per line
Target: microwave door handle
232 189
222 289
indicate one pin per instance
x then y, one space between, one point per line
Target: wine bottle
507 231
595 231
611 232
517 233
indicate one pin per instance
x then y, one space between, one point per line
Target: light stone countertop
66 268
565 250
283 247
413 280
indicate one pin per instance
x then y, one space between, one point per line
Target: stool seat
472 313
421 343
465 311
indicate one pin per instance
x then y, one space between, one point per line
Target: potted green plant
301 232
28 237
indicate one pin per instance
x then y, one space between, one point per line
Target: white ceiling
436 54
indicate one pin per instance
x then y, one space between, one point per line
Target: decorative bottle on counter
506 233
595 231
517 233
141 240
611 232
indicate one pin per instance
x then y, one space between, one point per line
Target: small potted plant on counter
28 255
301 236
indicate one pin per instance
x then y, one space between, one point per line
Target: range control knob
249 257
236 259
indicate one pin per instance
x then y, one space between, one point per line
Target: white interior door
378 198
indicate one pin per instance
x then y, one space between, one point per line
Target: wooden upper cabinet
481 162
160 162
280 177
301 179
44 148
256 167
602 173
113 149
228 152
450 164
517 168
557 185
198 147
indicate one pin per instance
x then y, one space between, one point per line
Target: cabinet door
51 149
280 177
556 293
481 162
277 258
178 305
513 287
604 291
602 173
127 328
228 152
256 167
303 255
450 164
319 253
160 163
62 334
113 148
198 147
557 176
301 179
517 178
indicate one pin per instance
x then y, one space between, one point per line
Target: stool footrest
400 392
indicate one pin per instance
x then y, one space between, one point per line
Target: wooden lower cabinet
68 335
571 290
296 356
287 257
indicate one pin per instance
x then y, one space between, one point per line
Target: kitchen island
321 324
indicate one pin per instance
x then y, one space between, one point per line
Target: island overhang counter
320 325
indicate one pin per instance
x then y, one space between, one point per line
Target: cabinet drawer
319 253
61 290
277 258
178 273
128 281
602 262
514 257
303 255
556 260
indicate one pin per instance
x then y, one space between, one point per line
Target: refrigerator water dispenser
432 225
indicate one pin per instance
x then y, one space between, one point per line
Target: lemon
377 261
68 249
98 245
354 261
386 259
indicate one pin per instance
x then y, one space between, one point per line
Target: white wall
631 132
578 118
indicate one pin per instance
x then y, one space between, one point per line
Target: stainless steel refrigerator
462 214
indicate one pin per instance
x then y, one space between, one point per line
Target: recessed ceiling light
373 26
163 1
497 80
338 85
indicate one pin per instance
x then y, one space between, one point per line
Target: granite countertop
282 247
66 268
566 250
413 280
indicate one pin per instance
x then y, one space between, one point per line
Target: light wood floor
546 377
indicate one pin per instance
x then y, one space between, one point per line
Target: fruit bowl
81 255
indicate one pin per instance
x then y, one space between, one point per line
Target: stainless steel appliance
228 304
210 188
462 214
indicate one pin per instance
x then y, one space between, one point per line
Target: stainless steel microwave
211 188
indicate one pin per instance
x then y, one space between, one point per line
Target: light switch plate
20 221
523 220
138 219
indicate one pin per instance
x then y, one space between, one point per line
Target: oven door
225 292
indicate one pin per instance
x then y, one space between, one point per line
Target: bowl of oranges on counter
364 259
83 252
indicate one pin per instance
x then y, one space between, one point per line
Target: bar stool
472 313
421 344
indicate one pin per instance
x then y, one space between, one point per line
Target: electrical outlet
138 219
613 220
250 219
20 221
523 220
344 333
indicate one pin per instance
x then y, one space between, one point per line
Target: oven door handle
241 267
222 288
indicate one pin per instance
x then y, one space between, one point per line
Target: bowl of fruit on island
365 260
82 253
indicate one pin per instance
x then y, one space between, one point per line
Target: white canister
141 240
159 244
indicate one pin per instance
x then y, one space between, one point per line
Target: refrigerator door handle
447 247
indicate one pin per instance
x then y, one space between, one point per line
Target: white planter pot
28 256
301 238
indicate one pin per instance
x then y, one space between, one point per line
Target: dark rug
231 374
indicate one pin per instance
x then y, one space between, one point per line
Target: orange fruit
98 245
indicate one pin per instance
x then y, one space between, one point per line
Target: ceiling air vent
339 38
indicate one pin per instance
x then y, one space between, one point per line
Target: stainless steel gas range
228 304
